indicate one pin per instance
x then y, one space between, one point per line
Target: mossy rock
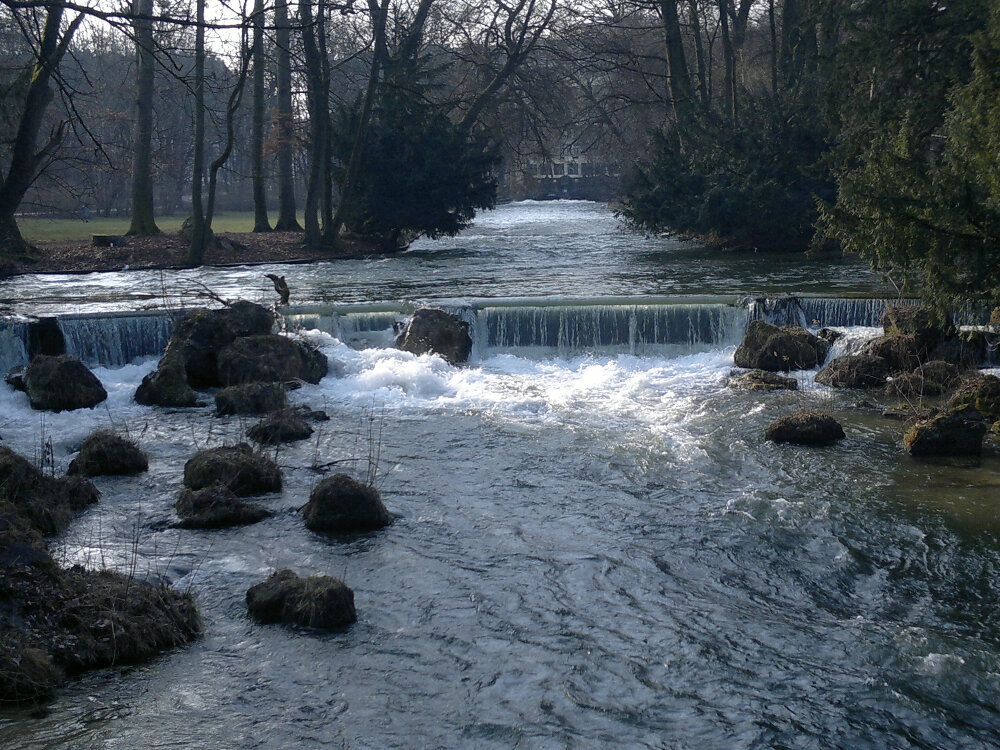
343 504
854 371
805 428
434 331
314 602
982 392
929 380
46 503
68 621
62 383
250 399
761 380
957 432
216 508
284 426
105 453
242 469
768 347
270 358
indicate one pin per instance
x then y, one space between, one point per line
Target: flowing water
595 546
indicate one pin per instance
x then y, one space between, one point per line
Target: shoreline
169 251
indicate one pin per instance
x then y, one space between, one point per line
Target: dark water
592 550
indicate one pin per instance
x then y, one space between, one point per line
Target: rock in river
805 428
314 602
62 383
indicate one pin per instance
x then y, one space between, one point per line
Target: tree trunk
774 47
788 52
319 118
196 253
25 162
260 220
699 51
678 75
286 179
354 161
143 221
729 95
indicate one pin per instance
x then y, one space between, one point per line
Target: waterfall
360 326
115 339
817 312
524 326
13 344
572 326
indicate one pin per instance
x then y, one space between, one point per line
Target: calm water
591 551
561 248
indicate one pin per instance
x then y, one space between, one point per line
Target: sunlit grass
77 230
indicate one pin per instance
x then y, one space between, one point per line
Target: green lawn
71 230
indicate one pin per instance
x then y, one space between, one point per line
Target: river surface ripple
591 551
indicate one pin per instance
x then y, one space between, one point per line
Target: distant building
572 175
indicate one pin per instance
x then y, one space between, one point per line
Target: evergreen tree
421 173
924 208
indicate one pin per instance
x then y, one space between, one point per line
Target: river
595 546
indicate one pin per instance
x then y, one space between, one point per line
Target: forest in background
752 124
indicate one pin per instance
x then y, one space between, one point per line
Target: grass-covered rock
105 453
285 426
315 602
270 358
805 428
216 508
242 469
343 504
62 383
250 399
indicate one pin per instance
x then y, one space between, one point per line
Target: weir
526 326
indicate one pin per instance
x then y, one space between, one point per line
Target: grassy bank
37 229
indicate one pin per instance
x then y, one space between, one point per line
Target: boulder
982 392
902 352
15 379
46 503
768 347
761 380
270 358
251 398
343 504
216 508
239 467
191 357
45 337
62 383
105 453
285 426
931 379
204 333
854 371
805 428
957 432
433 331
314 602
830 335
167 385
